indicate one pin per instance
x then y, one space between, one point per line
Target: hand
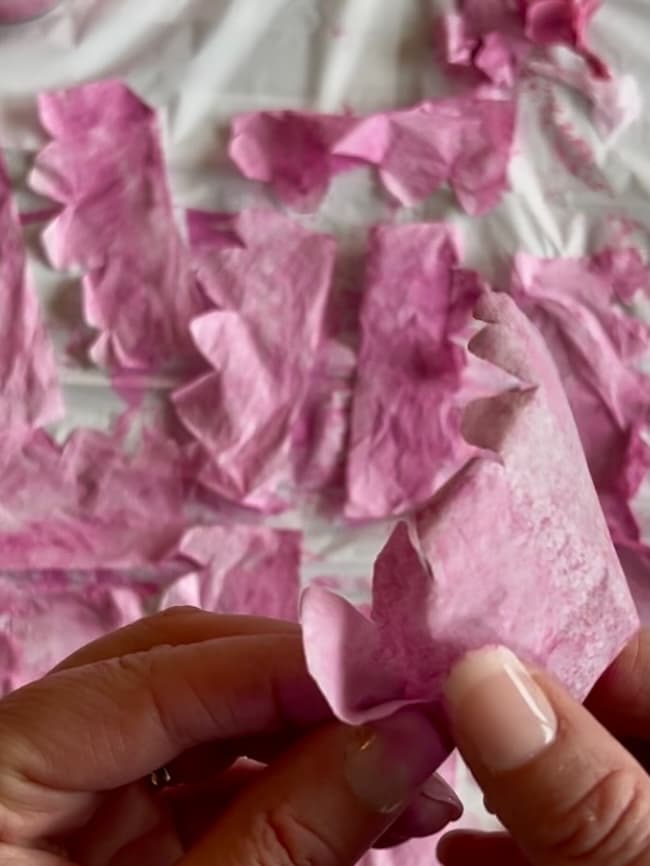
194 692
566 789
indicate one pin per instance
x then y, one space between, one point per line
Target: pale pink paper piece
46 617
269 281
105 167
414 373
465 142
597 347
240 570
514 550
30 396
94 502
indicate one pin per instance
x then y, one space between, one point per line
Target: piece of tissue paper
514 551
93 502
30 396
577 304
465 142
268 280
105 167
240 570
414 372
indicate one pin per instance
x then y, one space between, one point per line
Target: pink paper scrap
268 280
465 142
240 570
578 305
514 550
46 617
94 502
414 373
105 167
30 396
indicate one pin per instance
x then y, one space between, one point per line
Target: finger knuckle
609 824
176 612
281 838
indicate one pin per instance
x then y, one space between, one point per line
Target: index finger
104 725
174 627
621 698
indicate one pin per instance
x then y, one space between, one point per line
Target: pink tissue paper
497 37
240 570
414 373
268 280
46 617
465 142
29 391
578 306
105 167
93 502
514 550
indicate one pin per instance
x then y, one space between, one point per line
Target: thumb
564 787
327 800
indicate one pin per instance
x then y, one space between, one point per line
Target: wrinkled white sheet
203 61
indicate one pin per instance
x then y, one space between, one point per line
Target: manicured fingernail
496 707
387 762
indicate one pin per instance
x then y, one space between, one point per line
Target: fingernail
387 762
496 707
436 795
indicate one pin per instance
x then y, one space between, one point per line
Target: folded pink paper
597 347
105 167
514 550
240 570
414 374
268 280
465 142
30 396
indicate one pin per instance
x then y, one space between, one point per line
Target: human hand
568 791
194 692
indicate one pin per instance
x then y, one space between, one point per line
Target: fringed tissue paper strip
514 550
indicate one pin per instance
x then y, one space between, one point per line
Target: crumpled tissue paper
268 280
240 570
514 550
414 373
30 396
464 141
105 167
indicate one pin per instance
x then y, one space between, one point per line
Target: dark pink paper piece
465 142
597 346
94 502
14 11
269 281
514 550
30 396
414 373
105 167
46 617
240 570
